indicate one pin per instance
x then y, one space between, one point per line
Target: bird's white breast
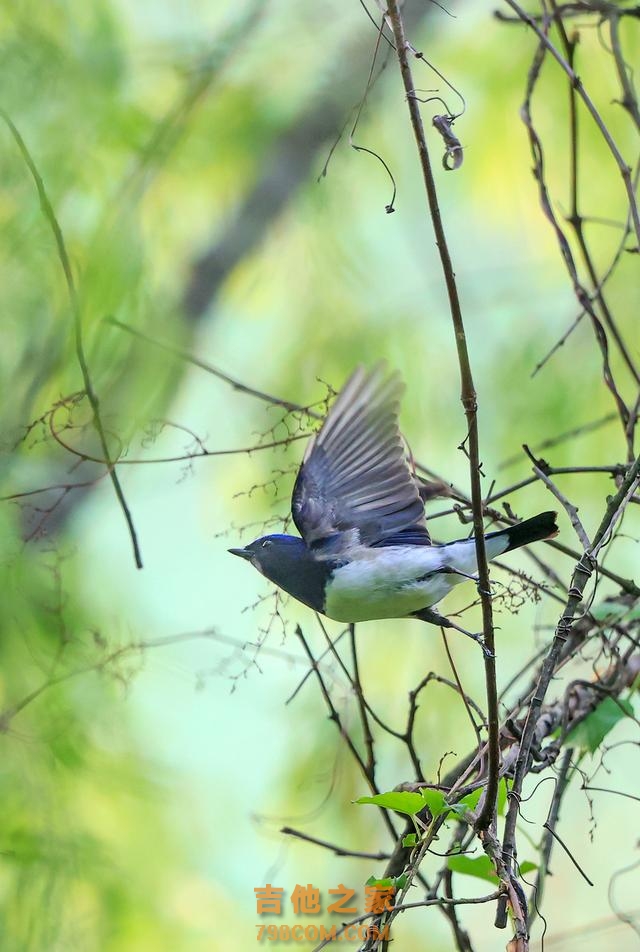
390 582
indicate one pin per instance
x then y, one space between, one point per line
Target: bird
364 551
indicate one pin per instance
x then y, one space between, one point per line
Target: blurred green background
143 789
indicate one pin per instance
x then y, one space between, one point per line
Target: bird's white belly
388 583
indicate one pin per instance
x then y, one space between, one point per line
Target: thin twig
569 508
364 720
623 168
577 865
333 847
537 154
210 369
335 717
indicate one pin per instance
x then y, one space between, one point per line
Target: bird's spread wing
355 485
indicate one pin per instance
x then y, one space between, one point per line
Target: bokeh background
143 788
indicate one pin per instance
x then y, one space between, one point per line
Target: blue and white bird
365 552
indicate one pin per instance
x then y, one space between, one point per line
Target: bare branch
469 403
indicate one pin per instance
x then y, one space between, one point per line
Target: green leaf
470 802
398 881
383 883
434 800
401 802
478 866
466 805
590 733
460 809
472 799
410 839
481 867
503 790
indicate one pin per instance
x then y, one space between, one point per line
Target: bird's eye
266 543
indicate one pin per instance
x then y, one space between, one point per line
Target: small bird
365 552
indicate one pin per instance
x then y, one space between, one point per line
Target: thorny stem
469 402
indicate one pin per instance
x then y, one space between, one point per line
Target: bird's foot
480 640
435 618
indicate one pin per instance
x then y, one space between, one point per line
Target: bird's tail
542 526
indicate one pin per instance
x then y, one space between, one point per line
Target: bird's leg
435 618
473 578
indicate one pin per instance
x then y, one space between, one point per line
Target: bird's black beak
243 553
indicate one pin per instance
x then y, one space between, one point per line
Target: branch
469 403
338 850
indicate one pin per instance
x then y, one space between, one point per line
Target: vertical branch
469 403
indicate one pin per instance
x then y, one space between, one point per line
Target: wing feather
355 484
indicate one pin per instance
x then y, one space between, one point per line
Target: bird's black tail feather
542 526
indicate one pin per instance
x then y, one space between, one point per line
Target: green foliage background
139 812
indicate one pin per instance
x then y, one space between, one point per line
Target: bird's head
287 561
273 555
